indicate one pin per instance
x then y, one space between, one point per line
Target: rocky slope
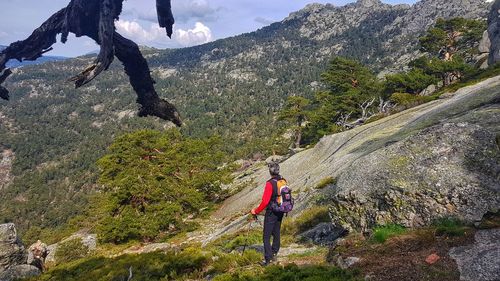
438 159
494 33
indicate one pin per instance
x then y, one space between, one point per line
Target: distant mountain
231 87
43 59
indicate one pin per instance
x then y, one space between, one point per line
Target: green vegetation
293 272
294 112
453 36
306 220
348 84
450 227
144 267
325 182
71 250
153 181
412 82
382 233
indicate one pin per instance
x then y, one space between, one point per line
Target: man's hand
253 212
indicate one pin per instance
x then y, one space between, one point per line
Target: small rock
19 272
431 89
345 263
323 234
432 258
484 44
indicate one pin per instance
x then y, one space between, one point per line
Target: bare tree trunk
95 19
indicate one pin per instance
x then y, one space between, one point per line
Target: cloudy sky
197 21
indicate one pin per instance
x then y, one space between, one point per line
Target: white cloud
198 35
136 32
156 36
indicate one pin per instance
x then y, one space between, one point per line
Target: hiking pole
247 236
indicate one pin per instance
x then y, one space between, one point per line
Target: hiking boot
274 258
264 263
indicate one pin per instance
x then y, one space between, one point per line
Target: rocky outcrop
6 159
447 170
479 261
12 251
322 234
19 272
494 33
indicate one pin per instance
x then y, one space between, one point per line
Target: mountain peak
368 3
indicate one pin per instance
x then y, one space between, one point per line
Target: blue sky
197 21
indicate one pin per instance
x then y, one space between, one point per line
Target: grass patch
382 233
450 227
229 262
150 266
325 182
71 250
307 220
293 272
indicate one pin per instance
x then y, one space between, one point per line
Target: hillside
360 160
53 134
43 59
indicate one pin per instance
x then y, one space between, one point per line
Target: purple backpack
281 200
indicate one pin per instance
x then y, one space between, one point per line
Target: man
272 220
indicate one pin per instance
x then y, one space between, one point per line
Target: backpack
281 200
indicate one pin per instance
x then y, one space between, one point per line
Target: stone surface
485 43
481 260
449 169
12 251
494 33
322 234
347 262
431 89
19 272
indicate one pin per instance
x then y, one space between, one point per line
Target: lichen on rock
447 170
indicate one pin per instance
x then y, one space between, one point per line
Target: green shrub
406 100
226 262
382 233
450 227
244 239
325 182
152 181
71 250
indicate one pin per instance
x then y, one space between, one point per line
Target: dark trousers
272 226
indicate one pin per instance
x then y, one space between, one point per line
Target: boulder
19 272
494 33
447 170
322 234
431 89
12 251
484 44
479 261
88 240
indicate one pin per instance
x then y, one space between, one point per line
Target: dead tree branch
95 19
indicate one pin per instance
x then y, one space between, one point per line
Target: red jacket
266 197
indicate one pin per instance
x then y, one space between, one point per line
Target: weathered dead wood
95 19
